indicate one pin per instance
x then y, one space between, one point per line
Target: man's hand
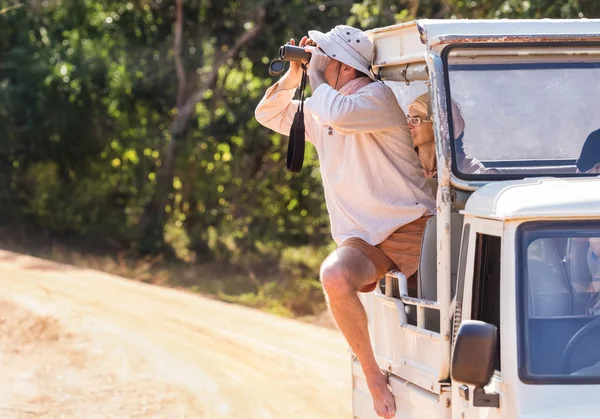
296 66
293 77
316 68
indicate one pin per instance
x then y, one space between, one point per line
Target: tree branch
443 11
9 8
177 52
414 8
325 4
185 110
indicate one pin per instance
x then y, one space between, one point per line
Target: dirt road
83 344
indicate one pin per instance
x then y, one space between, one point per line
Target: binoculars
287 52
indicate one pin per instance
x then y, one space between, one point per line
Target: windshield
525 112
559 302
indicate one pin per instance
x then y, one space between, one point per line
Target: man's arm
316 68
290 80
372 109
276 110
316 79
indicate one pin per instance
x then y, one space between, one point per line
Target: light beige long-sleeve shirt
371 176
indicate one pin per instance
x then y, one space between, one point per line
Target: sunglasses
416 120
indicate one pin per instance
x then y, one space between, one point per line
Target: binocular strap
295 151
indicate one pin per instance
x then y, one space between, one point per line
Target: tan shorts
401 250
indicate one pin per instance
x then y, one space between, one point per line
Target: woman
420 124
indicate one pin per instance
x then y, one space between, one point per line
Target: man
375 190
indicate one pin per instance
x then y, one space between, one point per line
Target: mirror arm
482 399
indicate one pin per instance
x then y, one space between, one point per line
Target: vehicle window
559 296
486 284
518 115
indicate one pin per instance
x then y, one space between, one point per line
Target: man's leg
343 273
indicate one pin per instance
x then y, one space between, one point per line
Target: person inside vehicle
591 258
593 305
376 194
420 123
589 158
593 263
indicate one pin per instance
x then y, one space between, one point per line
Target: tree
133 120
192 88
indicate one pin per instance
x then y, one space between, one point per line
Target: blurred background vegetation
128 142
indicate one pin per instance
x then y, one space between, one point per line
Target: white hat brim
337 51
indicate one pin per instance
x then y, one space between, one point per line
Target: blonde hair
423 104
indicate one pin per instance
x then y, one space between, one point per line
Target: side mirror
473 360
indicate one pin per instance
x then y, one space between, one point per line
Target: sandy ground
83 344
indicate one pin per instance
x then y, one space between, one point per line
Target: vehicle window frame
460 283
478 293
445 64
527 233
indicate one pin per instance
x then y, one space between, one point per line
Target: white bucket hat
348 45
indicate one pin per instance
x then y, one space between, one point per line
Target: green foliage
87 100
88 103
371 13
526 9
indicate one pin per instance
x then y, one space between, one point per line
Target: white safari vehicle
506 319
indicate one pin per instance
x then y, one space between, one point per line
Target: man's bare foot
383 400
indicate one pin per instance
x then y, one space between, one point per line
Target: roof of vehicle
509 27
401 55
537 198
406 42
